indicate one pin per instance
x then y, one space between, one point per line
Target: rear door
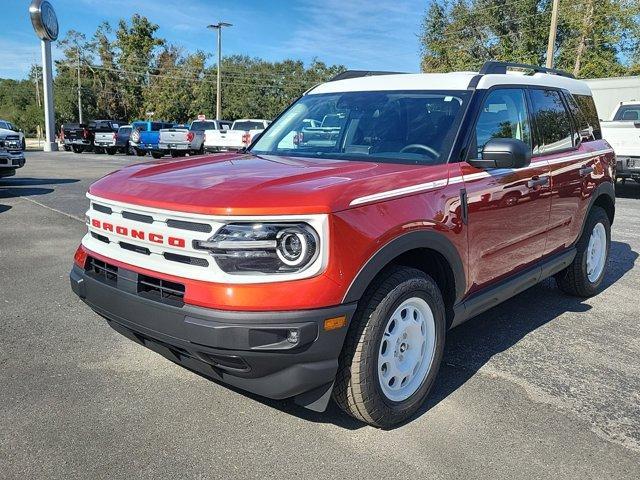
571 163
508 209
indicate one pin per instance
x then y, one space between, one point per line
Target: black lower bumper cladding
274 354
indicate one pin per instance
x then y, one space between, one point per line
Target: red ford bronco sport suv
331 258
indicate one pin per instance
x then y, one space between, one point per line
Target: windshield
628 112
415 127
247 126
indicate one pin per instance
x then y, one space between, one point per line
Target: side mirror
504 153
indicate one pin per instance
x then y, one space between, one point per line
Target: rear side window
628 113
503 115
555 132
155 126
588 126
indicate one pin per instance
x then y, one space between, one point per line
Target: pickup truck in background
145 137
8 128
178 141
240 135
105 135
77 137
113 142
11 153
623 133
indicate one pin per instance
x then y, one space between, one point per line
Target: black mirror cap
504 153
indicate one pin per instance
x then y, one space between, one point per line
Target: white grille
150 233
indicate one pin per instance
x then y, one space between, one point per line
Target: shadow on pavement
25 187
4 208
473 344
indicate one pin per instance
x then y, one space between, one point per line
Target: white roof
448 81
404 81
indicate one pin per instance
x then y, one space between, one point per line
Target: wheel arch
429 251
604 196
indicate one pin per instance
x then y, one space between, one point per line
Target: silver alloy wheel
407 349
596 252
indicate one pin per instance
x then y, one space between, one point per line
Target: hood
244 184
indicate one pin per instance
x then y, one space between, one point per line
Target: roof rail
360 73
501 67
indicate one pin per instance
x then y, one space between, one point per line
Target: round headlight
296 246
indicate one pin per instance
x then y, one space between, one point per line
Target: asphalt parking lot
543 386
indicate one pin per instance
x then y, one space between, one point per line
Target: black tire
139 153
357 389
77 149
156 154
111 151
574 280
23 145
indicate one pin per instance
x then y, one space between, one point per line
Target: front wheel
584 276
140 153
77 149
156 154
111 151
393 349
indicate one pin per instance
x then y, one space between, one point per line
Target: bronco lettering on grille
139 234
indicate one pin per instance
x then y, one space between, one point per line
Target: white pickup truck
240 135
623 133
179 141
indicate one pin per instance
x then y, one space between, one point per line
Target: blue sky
362 34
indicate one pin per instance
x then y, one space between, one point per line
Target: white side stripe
423 187
398 192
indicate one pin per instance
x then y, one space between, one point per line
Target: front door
508 209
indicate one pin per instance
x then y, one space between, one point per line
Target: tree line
128 72
595 38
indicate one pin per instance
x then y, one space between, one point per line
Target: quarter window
503 115
555 132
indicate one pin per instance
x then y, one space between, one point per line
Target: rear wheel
393 349
156 154
77 149
584 276
111 151
139 153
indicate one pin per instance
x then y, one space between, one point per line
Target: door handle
538 182
584 171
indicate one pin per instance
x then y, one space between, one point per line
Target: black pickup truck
80 136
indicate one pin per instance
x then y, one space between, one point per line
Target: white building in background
609 92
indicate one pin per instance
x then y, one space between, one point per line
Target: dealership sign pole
45 23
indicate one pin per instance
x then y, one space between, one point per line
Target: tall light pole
219 26
79 90
45 24
552 33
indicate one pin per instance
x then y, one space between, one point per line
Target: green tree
595 37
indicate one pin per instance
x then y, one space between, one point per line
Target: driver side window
503 115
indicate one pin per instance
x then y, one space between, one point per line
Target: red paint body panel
355 235
571 192
508 221
232 184
510 225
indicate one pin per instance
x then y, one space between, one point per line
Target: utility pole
79 89
38 102
552 33
219 26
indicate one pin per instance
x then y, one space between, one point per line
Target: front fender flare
409 241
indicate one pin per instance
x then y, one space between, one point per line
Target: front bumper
248 350
10 160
